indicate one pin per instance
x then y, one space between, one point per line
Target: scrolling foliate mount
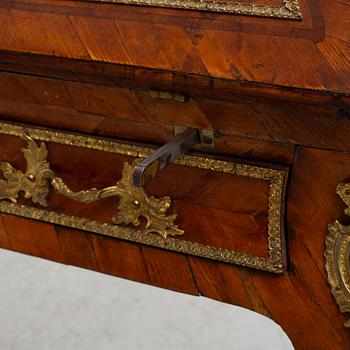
134 203
338 256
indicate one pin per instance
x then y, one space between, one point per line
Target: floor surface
45 305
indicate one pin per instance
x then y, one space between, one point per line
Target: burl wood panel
308 54
300 301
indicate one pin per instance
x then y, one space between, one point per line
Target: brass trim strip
289 9
276 178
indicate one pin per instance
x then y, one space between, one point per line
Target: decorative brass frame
276 178
134 203
289 9
337 255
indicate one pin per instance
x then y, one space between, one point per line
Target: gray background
44 305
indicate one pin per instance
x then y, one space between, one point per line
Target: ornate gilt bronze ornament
338 256
289 9
134 203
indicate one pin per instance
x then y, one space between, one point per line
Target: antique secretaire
199 146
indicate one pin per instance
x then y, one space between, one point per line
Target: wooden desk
87 86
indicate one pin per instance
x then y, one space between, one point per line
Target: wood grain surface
308 54
275 91
300 301
131 113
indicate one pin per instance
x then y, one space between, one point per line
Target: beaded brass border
289 9
276 177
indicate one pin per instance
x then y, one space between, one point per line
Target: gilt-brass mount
276 179
338 256
134 203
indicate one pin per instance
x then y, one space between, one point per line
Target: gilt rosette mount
134 203
338 256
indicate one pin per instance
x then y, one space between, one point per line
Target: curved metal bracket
185 139
169 153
